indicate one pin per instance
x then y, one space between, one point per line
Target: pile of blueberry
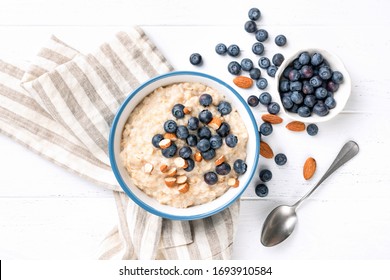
308 84
198 135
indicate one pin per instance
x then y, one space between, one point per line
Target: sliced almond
171 172
198 157
233 182
170 136
183 188
220 160
170 181
163 168
180 162
165 143
215 123
181 179
187 110
148 168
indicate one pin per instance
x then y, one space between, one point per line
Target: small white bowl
341 95
152 205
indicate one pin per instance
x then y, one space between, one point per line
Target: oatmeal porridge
184 145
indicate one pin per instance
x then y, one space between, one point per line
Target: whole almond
296 126
265 150
309 168
243 82
273 119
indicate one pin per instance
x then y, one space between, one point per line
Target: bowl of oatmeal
184 145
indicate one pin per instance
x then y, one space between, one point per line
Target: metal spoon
281 222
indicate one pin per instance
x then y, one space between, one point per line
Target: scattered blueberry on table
233 50
280 159
261 190
265 175
221 49
195 59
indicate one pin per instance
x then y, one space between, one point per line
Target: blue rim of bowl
123 184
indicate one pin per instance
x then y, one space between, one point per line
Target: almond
148 168
273 119
265 150
165 143
220 160
183 188
309 168
198 157
233 182
181 179
163 168
296 126
243 82
215 123
171 172
170 136
180 162
187 110
170 181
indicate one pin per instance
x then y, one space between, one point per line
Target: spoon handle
347 152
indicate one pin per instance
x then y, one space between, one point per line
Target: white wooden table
47 213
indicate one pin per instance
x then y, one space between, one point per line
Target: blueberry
193 123
234 68
208 155
156 140
205 116
215 141
253 100
204 132
255 73
287 102
170 126
250 26
294 75
266 128
296 64
273 108
321 93
304 111
296 86
258 48
332 86
185 152
177 111
287 71
271 71
254 14
315 81
284 86
170 151
192 140
330 102
316 59
337 77
220 48
306 71
224 129
224 108
310 100
265 175
246 64
210 178
325 73
280 40
223 169
203 145
239 166
265 98
262 83
294 108
233 50
261 190
297 97
205 99
320 109
280 159
182 132
277 59
312 129
261 35
304 58
195 59
231 140
307 88
264 62
191 165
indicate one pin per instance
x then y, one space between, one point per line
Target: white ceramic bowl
341 95
152 205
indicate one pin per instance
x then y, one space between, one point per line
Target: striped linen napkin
61 106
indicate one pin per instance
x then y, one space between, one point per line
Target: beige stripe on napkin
62 105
